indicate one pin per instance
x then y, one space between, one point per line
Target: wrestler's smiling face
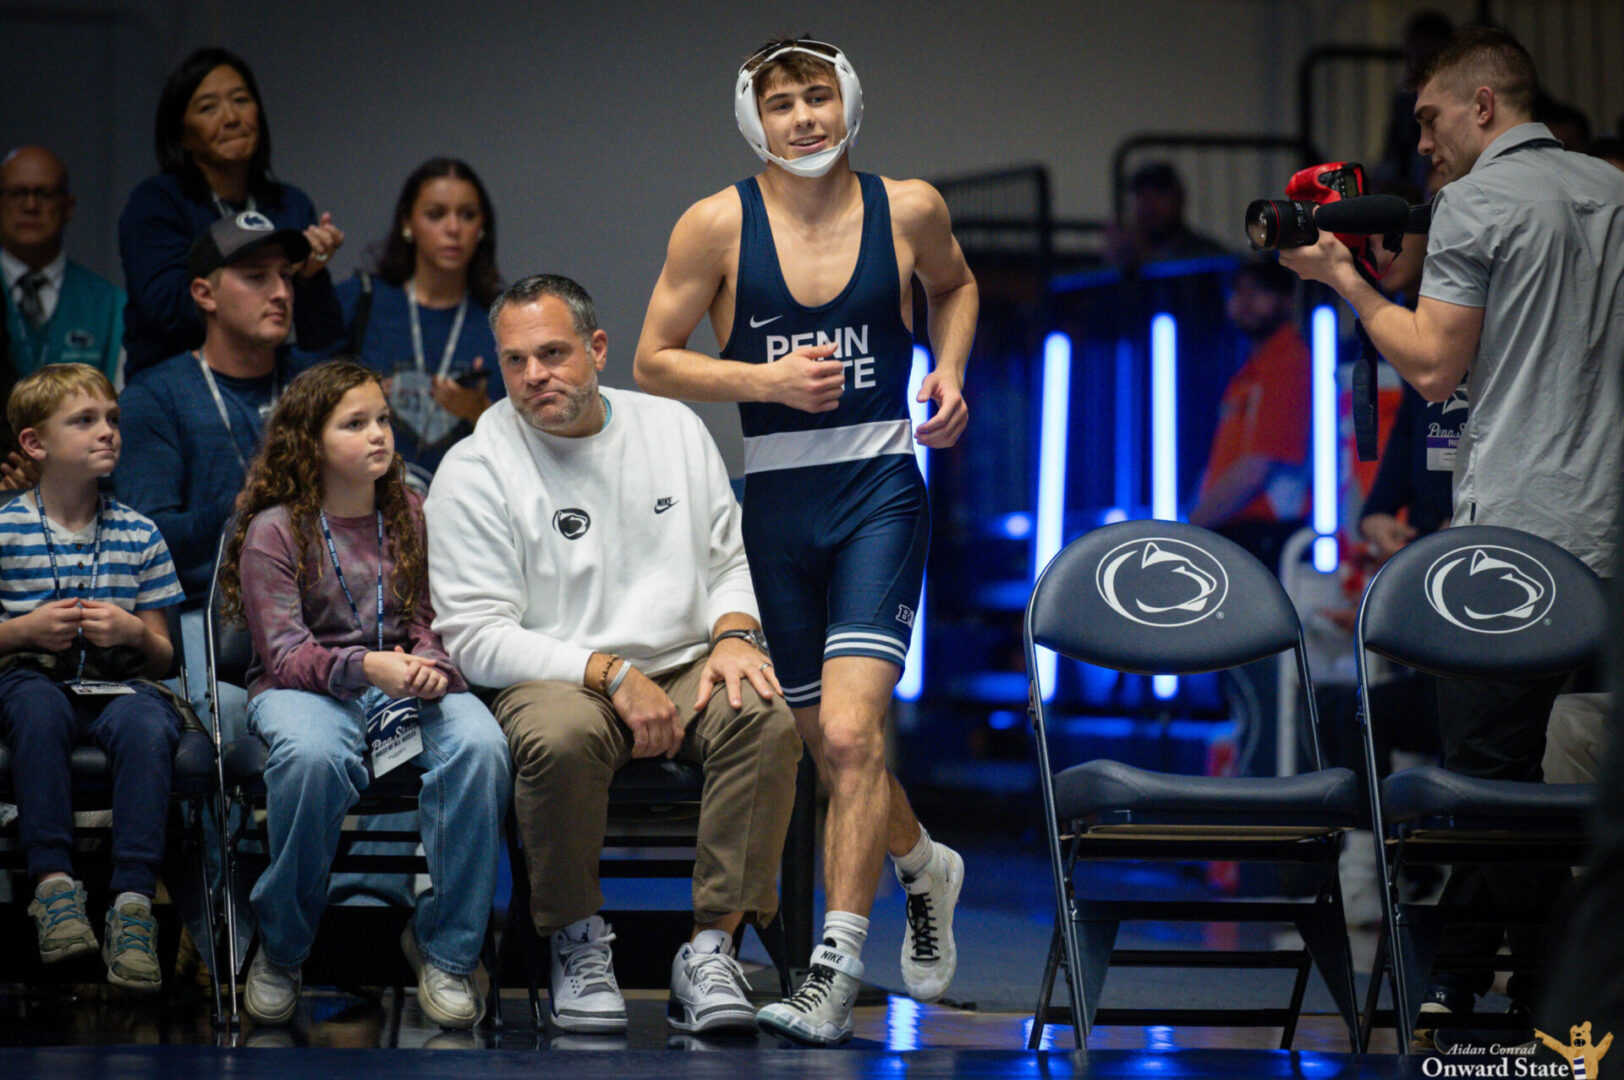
801 118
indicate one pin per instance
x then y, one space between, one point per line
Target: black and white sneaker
929 953
819 1013
585 996
708 989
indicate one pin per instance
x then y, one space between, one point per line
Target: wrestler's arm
702 245
952 302
695 271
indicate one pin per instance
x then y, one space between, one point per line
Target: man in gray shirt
1522 296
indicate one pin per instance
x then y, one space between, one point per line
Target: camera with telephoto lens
1288 223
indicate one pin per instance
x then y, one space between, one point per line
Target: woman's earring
406 234
481 235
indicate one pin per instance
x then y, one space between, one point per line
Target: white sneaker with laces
819 1013
708 988
452 1001
271 993
929 954
585 996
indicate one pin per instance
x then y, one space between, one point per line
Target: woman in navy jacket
214 150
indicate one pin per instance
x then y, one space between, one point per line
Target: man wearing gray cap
192 423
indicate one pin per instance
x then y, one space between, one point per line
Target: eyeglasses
19 195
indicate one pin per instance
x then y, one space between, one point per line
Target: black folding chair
1157 597
195 798
245 844
1476 602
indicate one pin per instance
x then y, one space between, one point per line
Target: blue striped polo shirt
136 572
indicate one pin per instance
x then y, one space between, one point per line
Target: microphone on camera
1369 215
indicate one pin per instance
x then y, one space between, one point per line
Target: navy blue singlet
836 521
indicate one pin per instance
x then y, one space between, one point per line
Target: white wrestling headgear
748 113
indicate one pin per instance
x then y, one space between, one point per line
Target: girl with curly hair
327 566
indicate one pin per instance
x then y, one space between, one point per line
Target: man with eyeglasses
806 271
57 312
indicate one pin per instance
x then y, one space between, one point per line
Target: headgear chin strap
748 113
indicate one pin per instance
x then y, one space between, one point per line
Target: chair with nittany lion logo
1475 602
1161 597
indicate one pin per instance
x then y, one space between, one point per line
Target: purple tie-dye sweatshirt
305 635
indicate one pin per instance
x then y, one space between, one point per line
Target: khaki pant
567 743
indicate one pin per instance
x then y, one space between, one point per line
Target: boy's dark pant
40 721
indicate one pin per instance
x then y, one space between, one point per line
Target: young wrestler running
806 272
83 584
329 567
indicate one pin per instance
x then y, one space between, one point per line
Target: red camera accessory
1333 182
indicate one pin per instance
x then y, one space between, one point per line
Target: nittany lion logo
1162 582
255 221
1490 589
571 523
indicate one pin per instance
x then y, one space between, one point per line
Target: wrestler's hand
807 379
731 662
952 414
656 727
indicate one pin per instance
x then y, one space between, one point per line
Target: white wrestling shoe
819 1013
929 954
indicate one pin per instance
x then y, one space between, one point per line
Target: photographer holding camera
1523 289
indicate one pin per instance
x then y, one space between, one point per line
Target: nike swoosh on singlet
758 325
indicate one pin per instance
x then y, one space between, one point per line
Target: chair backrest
1482 601
1160 597
231 650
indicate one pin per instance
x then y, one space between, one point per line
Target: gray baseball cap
238 236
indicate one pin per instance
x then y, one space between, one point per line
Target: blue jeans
41 721
315 775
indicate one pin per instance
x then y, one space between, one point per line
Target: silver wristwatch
754 637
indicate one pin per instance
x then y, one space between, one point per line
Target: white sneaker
452 1001
585 996
708 989
819 1013
271 993
929 954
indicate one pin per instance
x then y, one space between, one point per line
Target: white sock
848 932
918 858
131 898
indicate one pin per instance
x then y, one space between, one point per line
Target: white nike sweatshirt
543 550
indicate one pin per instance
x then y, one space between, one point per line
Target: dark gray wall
595 124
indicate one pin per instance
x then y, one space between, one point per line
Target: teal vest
87 326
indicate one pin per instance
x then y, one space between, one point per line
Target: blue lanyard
56 573
332 550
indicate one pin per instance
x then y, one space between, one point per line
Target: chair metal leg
1298 988
1324 931
210 954
228 885
776 942
1367 1021
1416 933
1040 1015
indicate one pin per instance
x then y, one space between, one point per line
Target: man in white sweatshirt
585 559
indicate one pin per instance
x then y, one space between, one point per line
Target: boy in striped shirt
83 581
